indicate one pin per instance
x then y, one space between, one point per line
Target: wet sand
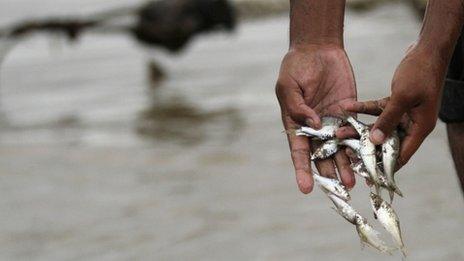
97 165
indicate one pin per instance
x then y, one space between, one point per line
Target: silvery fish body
367 150
369 235
352 144
360 169
390 153
343 208
330 126
388 218
326 150
334 186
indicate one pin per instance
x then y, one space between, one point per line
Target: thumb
388 121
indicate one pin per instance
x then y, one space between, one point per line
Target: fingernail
309 122
377 136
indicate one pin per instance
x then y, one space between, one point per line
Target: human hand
313 81
413 104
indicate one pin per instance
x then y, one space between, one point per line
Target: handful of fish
375 164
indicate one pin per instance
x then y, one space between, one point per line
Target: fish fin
377 189
397 191
404 252
294 132
336 210
324 190
392 195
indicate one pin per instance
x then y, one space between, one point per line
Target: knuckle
279 87
297 111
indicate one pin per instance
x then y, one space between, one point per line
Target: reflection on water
178 121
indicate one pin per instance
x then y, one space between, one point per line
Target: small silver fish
370 236
334 186
360 169
388 218
343 208
326 150
391 187
367 150
352 144
330 126
390 153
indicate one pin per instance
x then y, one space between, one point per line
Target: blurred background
115 149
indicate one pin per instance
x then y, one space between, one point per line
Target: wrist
316 22
310 47
315 41
441 27
438 53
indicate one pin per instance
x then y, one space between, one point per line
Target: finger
352 155
388 121
346 132
411 143
326 168
291 100
374 107
344 169
300 153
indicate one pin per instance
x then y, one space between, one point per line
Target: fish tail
397 190
377 189
293 132
404 252
392 195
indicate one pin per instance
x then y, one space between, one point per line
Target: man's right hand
413 104
314 81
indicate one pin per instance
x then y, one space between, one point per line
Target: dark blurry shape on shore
170 24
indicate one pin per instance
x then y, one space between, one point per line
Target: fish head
359 219
341 190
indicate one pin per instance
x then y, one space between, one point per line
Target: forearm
441 27
316 22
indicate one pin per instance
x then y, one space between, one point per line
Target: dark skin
456 137
315 76
316 79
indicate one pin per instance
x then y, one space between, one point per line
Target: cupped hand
313 81
413 104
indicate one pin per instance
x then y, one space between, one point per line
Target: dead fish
334 186
326 150
352 144
360 169
343 208
330 126
391 187
388 218
390 153
366 150
370 236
